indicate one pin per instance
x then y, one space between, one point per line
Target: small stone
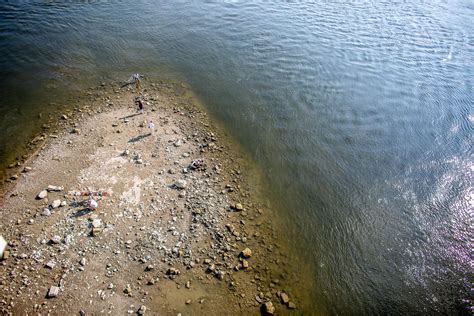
268 308
211 268
6 255
82 262
55 204
50 264
63 203
110 286
53 291
151 282
56 239
141 310
149 267
54 188
180 184
291 305
96 231
128 289
245 264
27 169
284 298
173 271
188 284
46 212
96 223
246 253
239 207
42 195
31 221
188 302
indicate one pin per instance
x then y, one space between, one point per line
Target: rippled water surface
359 113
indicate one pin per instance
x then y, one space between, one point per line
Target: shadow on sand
129 116
80 213
138 138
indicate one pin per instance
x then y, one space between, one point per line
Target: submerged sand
168 238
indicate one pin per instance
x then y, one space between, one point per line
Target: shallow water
360 115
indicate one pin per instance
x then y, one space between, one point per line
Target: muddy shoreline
169 239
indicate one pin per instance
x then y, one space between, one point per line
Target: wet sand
167 239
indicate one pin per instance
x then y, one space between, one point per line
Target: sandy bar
167 238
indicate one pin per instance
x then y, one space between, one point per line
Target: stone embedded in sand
53 291
83 261
46 212
284 298
239 207
56 239
42 195
55 204
246 253
127 289
268 308
180 184
291 305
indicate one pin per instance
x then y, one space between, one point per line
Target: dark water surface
359 113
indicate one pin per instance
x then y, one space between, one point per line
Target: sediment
169 238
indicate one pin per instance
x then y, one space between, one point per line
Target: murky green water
359 113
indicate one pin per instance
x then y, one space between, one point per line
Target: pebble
53 291
291 305
246 253
141 310
56 239
54 188
46 212
82 262
96 223
180 184
42 195
269 308
50 264
55 204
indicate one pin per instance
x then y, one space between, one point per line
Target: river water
359 113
